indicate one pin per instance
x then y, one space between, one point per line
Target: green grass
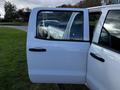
13 65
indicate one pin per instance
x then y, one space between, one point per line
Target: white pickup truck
63 46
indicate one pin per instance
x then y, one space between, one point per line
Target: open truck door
57 45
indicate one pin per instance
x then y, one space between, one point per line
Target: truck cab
68 49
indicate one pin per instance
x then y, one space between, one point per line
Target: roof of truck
99 8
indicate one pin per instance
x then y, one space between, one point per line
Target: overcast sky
36 3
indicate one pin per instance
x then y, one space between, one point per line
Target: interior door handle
37 49
97 58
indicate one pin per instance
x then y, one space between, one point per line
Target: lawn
13 65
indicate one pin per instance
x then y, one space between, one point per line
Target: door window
93 20
60 25
76 32
110 35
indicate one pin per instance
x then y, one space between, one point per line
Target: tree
88 3
28 9
83 4
10 11
23 14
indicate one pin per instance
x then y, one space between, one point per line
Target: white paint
66 62
56 65
103 75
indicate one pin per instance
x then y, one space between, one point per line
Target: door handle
37 49
97 58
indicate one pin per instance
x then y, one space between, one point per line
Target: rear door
57 45
103 72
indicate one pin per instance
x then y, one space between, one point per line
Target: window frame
61 39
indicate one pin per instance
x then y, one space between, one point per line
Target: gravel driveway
23 28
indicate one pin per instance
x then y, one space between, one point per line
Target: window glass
76 32
60 25
104 37
93 19
110 35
